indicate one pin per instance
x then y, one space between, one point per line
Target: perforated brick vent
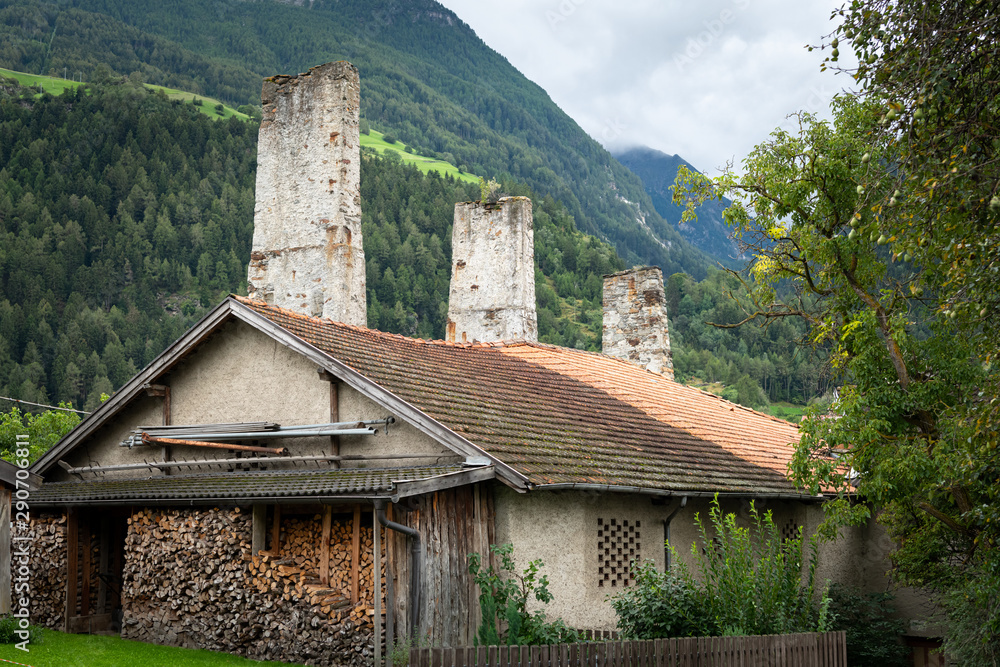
617 546
790 530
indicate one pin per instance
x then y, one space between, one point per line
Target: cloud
706 80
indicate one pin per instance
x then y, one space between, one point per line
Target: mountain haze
425 76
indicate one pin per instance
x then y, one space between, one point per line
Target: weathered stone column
635 319
492 295
307 253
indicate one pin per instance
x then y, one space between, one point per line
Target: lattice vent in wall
618 544
790 530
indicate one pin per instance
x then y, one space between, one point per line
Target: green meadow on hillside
56 85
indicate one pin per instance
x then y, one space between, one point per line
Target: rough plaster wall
237 375
635 319
243 375
492 295
307 254
402 438
560 528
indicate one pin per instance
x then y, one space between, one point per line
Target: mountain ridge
709 232
425 76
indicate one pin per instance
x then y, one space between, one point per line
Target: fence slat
807 649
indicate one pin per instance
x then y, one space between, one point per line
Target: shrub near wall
187 582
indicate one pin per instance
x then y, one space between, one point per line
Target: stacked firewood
292 570
46 535
190 580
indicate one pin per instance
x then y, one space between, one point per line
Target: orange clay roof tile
560 415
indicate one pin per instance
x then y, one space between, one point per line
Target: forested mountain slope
124 215
657 170
425 76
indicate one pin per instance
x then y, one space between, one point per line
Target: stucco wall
561 528
242 375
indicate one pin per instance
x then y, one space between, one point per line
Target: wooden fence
812 649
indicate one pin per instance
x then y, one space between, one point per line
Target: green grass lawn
55 86
61 650
787 411
425 164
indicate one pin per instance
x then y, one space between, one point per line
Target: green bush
503 598
873 635
389 138
662 604
9 626
753 577
751 584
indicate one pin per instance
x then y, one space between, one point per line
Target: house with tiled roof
284 483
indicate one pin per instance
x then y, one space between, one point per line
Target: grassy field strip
56 85
58 649
425 164
374 140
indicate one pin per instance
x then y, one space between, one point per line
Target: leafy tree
42 431
818 208
873 632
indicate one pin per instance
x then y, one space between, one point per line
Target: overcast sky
706 79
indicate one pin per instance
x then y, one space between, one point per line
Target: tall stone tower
307 253
492 295
635 319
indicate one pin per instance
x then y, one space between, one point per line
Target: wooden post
276 531
103 569
163 391
334 413
259 528
5 542
355 554
71 564
84 525
324 547
390 593
377 573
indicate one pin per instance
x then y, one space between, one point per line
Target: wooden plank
259 529
498 656
85 541
334 417
5 542
356 558
103 565
324 546
276 531
376 575
89 624
437 657
72 551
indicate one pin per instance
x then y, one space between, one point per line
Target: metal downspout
666 533
415 563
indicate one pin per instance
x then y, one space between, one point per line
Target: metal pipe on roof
415 563
277 451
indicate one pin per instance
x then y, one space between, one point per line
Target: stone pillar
635 319
307 253
492 294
